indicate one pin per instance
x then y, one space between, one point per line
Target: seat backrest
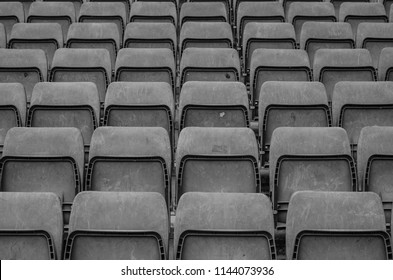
11 13
203 11
154 12
385 65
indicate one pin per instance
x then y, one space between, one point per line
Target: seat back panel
215 117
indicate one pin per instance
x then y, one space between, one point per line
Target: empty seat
3 37
31 226
334 65
130 159
45 36
27 67
359 104
95 36
151 35
336 226
374 37
66 105
209 64
126 3
146 65
309 158
11 13
154 12
301 12
118 226
43 160
385 66
224 226
203 11
12 108
355 13
62 13
77 4
325 35
290 104
217 159
80 65
213 104
114 12
257 12
287 3
277 65
266 35
205 35
337 3
140 104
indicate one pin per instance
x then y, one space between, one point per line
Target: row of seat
113 225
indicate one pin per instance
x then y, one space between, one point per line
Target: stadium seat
205 35
31 226
151 35
81 65
385 66
147 11
290 104
12 108
146 65
118 226
227 3
43 160
98 12
375 154
334 65
325 35
209 64
266 35
66 105
95 36
301 12
374 37
359 104
308 158
355 13
45 36
126 3
77 4
336 226
62 13
27 67
203 11
217 159
3 37
256 11
277 65
140 104
213 104
11 13
224 226
287 3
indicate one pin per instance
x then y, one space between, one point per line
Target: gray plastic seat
3 37
287 3
266 35
11 13
43 160
374 37
95 36
290 104
217 159
146 65
118 226
337 3
224 226
62 13
27 67
77 4
203 11
205 35
301 12
12 108
359 104
335 65
385 66
209 64
227 3
213 104
336 226
151 35
66 105
31 226
325 35
126 3
309 158
146 11
80 65
277 65
140 104
45 36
